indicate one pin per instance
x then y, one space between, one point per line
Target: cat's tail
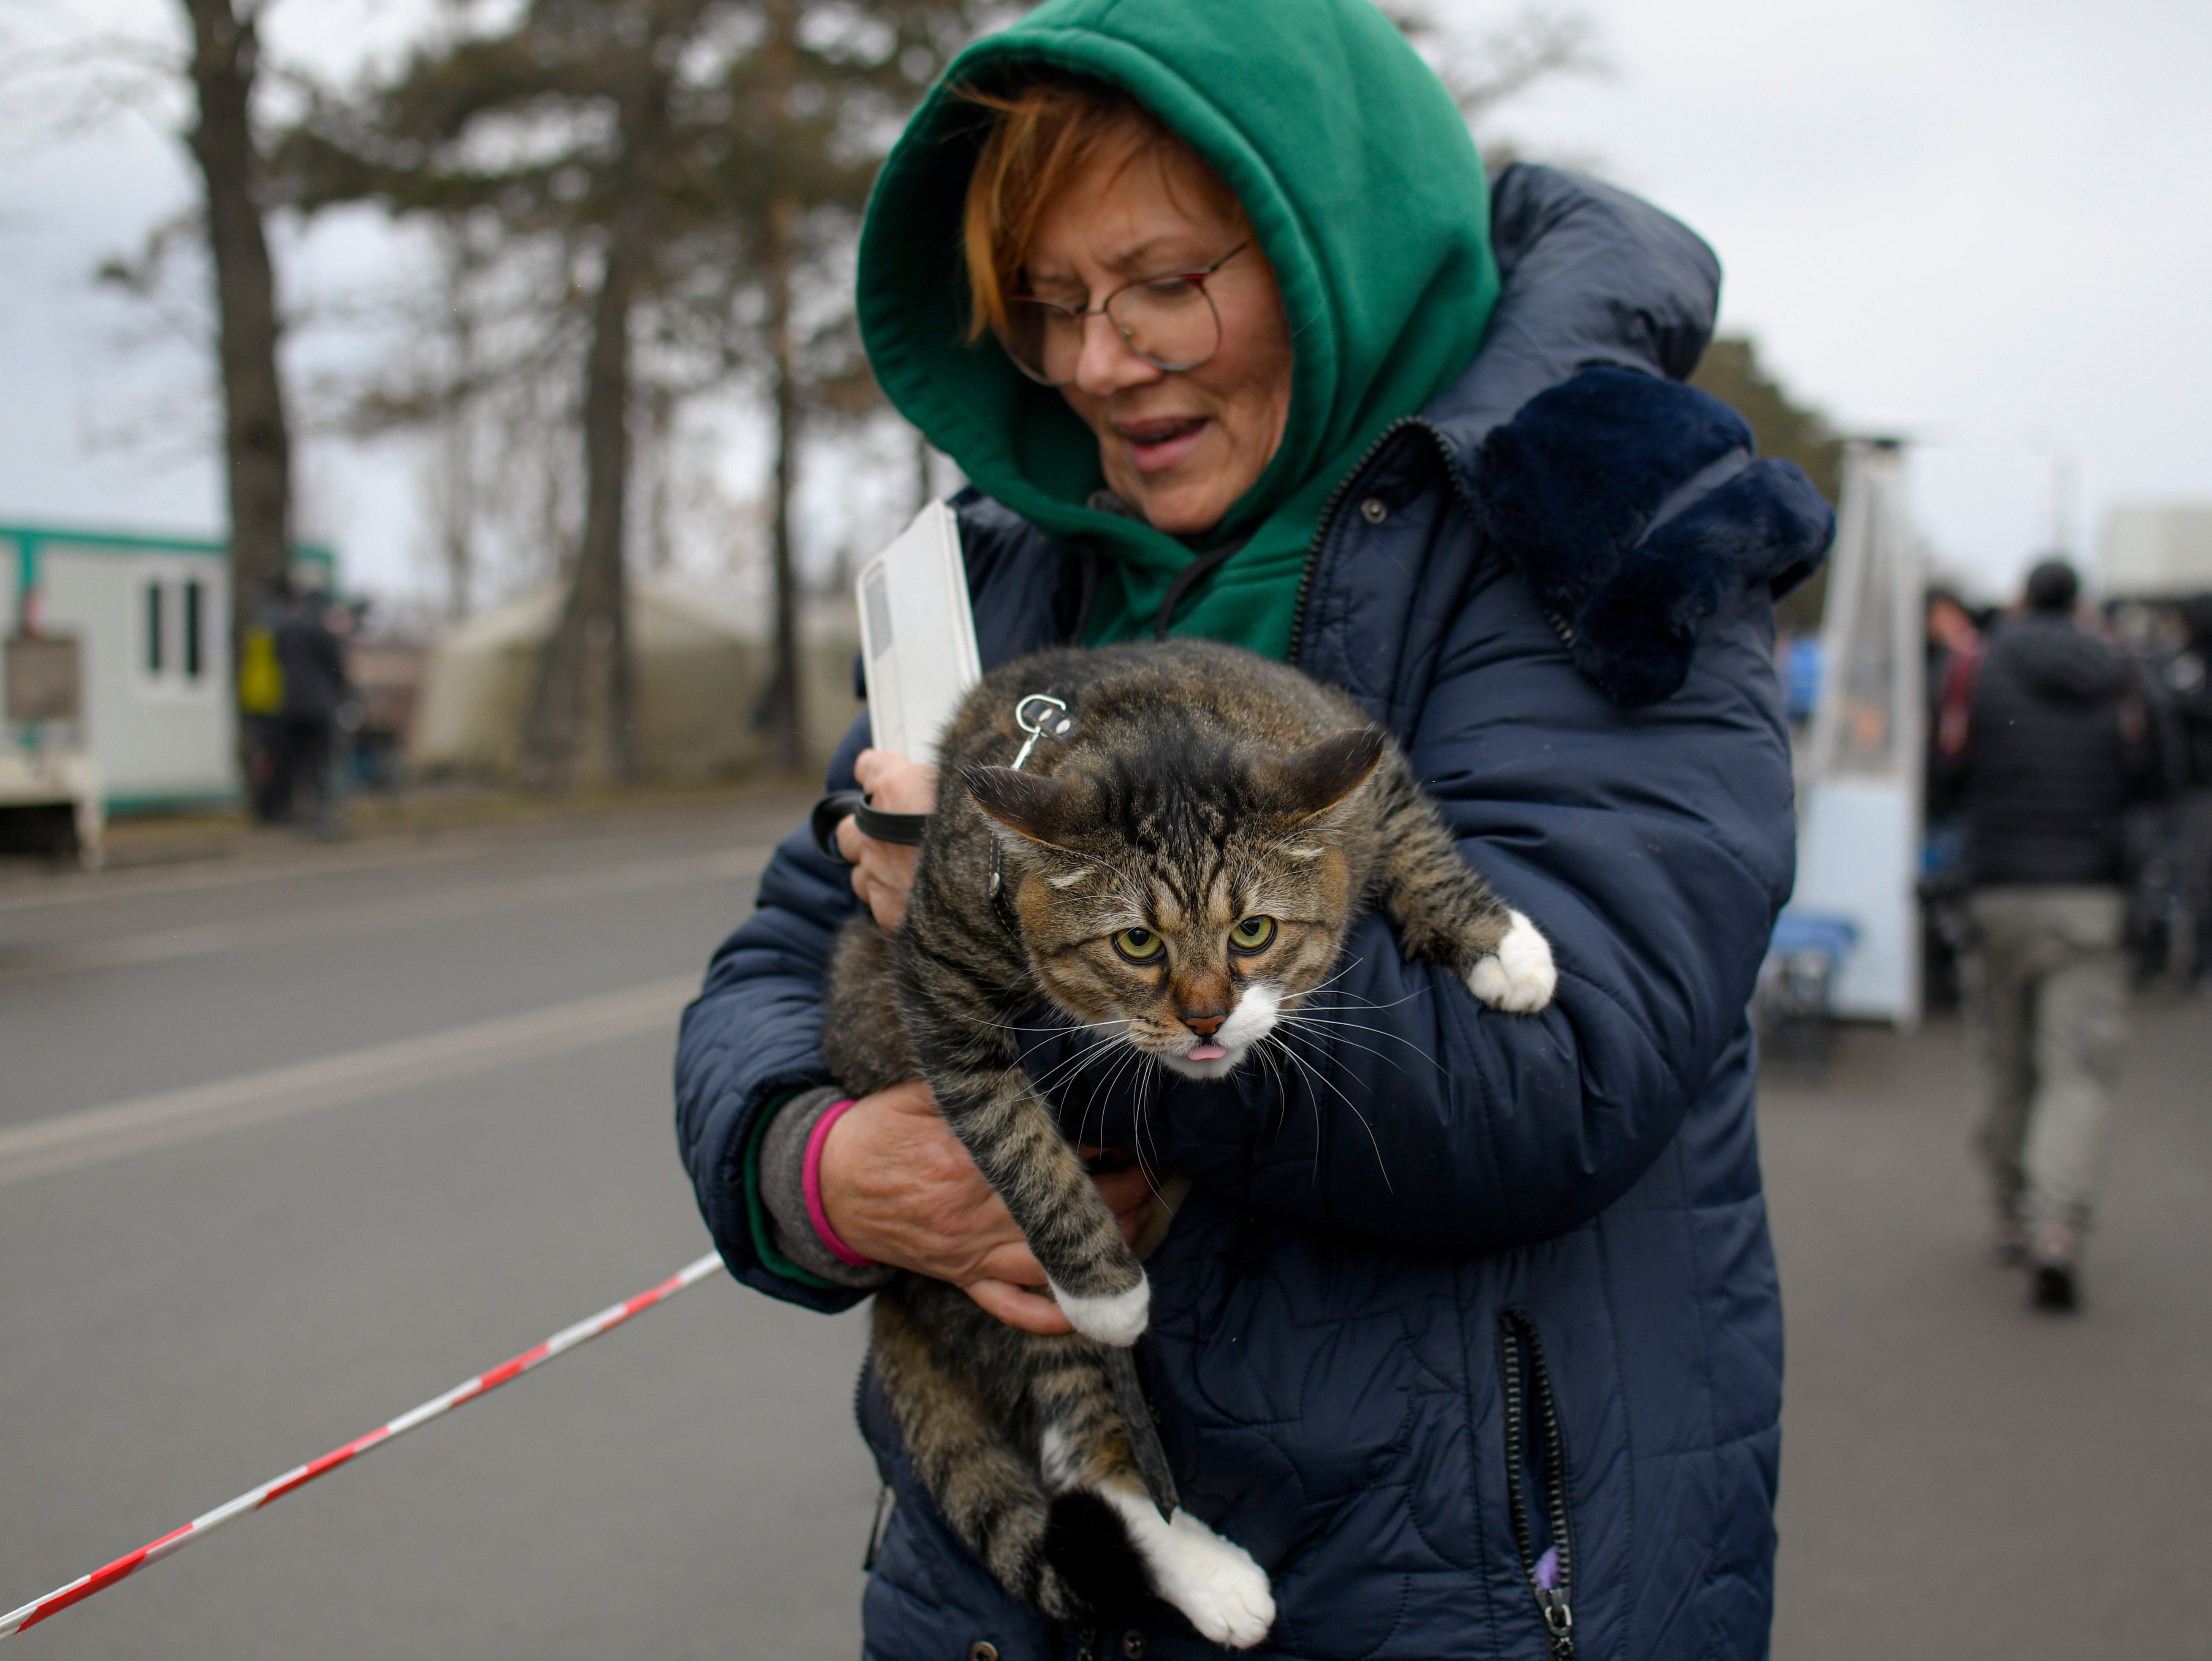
1069 1555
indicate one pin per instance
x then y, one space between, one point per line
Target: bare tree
454 486
90 78
780 710
588 122
226 52
817 104
1537 44
704 163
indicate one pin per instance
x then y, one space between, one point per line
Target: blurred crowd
2164 830
2067 855
326 710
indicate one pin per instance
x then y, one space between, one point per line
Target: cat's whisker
1052 1026
1128 1055
1106 1085
1381 1165
1068 1067
1082 1125
1266 1048
1278 1041
1070 1064
1353 1002
1333 1015
1349 965
1389 1061
1148 1076
1300 1021
1323 986
1148 1068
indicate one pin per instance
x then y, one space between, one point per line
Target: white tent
701 661
2158 552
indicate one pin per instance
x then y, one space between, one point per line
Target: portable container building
150 615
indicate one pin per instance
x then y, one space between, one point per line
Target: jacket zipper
1552 1577
884 1497
1327 523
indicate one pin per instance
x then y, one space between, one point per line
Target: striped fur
1203 788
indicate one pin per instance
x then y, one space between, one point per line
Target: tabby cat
1174 865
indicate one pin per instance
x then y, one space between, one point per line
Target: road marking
93 1135
167 944
428 847
86 887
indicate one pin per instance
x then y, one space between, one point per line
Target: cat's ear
1313 780
1046 810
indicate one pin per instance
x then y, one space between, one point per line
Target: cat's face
1184 904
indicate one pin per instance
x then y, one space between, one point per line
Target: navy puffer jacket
1452 1233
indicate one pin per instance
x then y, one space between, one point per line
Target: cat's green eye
1253 933
1139 945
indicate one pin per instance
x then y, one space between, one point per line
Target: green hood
1361 179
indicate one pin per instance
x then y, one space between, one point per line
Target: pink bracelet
815 1214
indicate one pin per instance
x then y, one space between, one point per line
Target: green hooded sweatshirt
1359 174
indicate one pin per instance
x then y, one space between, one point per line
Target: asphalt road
287 1149
1960 1477
182 1317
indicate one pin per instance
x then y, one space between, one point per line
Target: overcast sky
1985 225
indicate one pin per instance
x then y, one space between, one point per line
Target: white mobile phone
917 635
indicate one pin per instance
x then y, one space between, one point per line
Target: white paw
1213 1581
1118 1318
1519 976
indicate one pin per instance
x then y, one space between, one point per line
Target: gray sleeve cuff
782 1176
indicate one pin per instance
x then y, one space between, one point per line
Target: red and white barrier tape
200 1527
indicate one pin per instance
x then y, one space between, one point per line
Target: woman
1468 1329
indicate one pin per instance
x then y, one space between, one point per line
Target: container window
194 628
154 655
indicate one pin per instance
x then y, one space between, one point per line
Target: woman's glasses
1168 320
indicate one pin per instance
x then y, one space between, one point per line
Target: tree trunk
256 442
595 617
781 709
454 465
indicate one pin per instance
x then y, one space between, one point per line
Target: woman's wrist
817 1212
777 1181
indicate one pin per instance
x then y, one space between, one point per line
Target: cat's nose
1204 1026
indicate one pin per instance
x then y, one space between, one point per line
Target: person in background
2056 743
1953 642
313 666
2187 676
1799 662
1954 661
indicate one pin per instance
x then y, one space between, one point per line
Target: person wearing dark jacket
1467 1330
312 661
2054 749
2188 679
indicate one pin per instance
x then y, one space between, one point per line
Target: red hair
1043 133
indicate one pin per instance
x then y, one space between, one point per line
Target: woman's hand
883 872
898 1187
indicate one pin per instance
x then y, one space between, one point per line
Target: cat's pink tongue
1205 1052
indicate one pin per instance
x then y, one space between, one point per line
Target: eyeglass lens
1170 322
